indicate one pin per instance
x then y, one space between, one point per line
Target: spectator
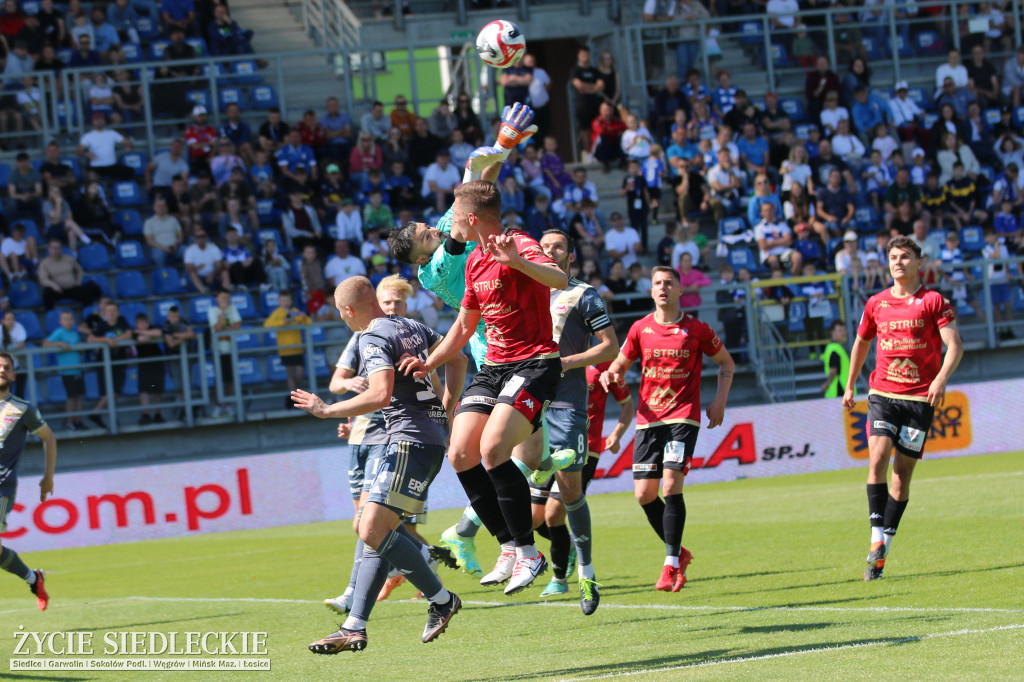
61 277
995 249
468 121
689 35
580 189
512 198
775 242
273 132
460 150
818 85
12 340
300 222
376 212
113 330
952 69
835 205
375 122
585 228
84 56
18 253
440 180
832 114
868 111
337 127
66 338
589 90
226 160
243 269
172 97
555 177
163 234
638 202
203 200
667 102
104 34
289 342
773 119
56 173
395 148
516 81
423 147
442 121
237 132
723 99
349 222
294 154
606 133
982 78
690 280
342 265
226 37
978 135
59 223
1013 77
954 150
795 171
204 263
754 151
373 245
125 20
178 14
101 98
622 242
234 217
311 133
726 183
161 170
762 194
540 218
51 23
402 118
636 140
365 155
99 146
176 335
848 146
92 214
859 76
958 96
151 371
961 196
822 166
538 94
224 317
275 266
25 185
903 222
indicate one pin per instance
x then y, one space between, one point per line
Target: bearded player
671 346
912 323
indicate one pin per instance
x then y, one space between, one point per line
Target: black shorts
226 375
905 422
528 386
74 385
151 377
118 373
665 446
297 360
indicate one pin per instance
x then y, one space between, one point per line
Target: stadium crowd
785 186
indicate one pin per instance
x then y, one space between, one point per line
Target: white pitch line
798 652
606 605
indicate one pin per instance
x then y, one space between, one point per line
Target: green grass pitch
775 592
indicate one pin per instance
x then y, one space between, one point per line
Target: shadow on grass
123 626
784 627
951 572
661 662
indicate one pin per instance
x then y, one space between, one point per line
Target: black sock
560 543
877 495
12 563
480 490
675 519
543 531
893 513
655 510
513 498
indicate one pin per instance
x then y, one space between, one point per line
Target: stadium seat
130 222
780 57
872 49
31 230
132 52
992 116
268 302
269 233
55 392
199 45
797 314
249 340
928 43
72 162
809 249
64 54
148 27
226 96
1018 299
263 97
92 385
801 130
922 97
734 225
275 370
102 281
972 240
166 281
130 284
267 211
127 193
989 173
156 49
867 242
5 174
30 6
130 309
197 308
751 33
866 218
137 161
160 309
199 98
217 71
833 246
246 72
30 321
249 371
94 257
742 258
794 108
130 254
902 46
242 300
131 377
320 366
52 320
297 268
210 376
25 294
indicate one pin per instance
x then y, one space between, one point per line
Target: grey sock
373 571
579 524
405 555
356 560
466 527
404 532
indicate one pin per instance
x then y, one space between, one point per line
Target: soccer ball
501 44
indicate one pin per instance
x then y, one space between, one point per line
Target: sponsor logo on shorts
645 467
675 451
527 405
879 424
417 487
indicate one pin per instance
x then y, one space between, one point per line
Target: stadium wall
305 486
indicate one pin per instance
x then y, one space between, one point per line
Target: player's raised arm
504 250
454 341
726 369
954 353
376 396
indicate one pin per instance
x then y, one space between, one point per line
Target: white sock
30 577
508 548
441 597
347 593
393 573
86 239
587 570
353 623
888 542
877 535
528 552
672 561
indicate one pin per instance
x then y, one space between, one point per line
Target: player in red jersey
671 346
508 283
912 323
597 398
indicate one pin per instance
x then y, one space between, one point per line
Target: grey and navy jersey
367 429
576 313
415 414
18 418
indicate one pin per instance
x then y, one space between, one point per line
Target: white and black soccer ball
501 44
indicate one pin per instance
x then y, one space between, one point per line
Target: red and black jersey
515 307
671 357
597 398
909 349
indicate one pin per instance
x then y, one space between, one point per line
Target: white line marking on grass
799 652
606 605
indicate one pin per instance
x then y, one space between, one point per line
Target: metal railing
775 369
332 23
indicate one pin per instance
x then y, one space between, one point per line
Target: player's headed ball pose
911 323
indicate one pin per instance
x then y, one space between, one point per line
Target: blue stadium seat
72 162
866 217
130 254
1018 299
268 302
199 98
129 309
131 377
834 245
25 294
992 116
794 108
92 385
972 239
226 96
130 222
1018 116
251 339
297 268
275 370
5 174
130 284
64 54
132 52
246 72
210 376
137 161
199 45
52 320
800 130
30 321
867 243
780 57
127 193
246 307
249 371
810 249
160 309
797 314
267 211
148 27
102 281
94 257
928 43
922 97
263 97
218 71
320 365
902 46
156 49
30 6
751 33
270 233
873 49
166 281
197 308
55 392
742 257
734 225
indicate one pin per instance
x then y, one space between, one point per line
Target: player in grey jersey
417 423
